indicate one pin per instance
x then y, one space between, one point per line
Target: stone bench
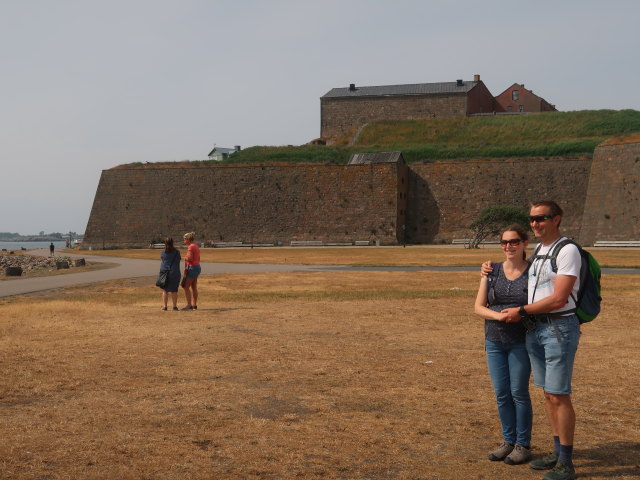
617 243
228 244
306 243
464 241
362 243
240 244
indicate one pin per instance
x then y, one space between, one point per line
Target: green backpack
588 300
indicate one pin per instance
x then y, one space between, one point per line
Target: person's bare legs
174 299
165 297
187 292
561 416
194 289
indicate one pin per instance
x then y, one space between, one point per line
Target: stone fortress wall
252 204
422 202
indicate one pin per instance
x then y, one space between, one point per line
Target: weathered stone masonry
260 204
429 203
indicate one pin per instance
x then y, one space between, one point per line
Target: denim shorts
552 348
194 272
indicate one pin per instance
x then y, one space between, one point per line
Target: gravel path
133 268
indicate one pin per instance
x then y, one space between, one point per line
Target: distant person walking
191 272
170 262
52 248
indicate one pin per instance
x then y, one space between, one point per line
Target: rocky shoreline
10 263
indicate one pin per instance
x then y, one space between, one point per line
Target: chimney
459 83
352 87
476 78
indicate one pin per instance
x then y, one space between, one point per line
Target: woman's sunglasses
514 242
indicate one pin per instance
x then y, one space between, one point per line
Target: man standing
552 340
51 249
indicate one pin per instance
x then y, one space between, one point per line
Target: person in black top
170 261
505 345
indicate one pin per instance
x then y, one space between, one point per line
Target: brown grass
414 255
278 376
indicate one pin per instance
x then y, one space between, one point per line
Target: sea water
30 245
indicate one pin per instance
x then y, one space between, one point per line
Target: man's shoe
545 463
501 452
518 455
561 471
188 307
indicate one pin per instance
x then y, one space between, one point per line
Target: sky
86 85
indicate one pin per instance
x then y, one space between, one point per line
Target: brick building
344 110
518 99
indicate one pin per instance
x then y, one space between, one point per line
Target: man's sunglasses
514 242
539 218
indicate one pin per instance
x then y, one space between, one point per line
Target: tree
494 219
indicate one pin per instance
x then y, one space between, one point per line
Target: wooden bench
617 243
362 243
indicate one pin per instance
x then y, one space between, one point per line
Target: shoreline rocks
10 264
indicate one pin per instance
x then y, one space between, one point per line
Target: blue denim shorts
552 349
194 271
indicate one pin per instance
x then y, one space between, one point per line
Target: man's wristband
522 312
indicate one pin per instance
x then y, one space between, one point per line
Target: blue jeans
510 369
552 348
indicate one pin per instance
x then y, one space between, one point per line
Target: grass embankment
371 256
326 375
534 135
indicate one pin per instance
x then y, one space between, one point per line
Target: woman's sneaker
545 463
518 455
501 452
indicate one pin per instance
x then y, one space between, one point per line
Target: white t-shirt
542 279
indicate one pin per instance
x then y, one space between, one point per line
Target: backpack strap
556 250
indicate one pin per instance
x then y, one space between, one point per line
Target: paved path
134 268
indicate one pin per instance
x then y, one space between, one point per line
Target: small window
515 95
509 108
521 108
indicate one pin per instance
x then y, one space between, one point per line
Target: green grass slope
534 135
504 136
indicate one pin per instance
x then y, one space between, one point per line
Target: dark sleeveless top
506 294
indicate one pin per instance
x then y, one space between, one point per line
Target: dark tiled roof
379 157
411 89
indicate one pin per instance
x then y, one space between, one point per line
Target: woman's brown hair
168 245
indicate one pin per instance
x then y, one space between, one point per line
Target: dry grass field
281 376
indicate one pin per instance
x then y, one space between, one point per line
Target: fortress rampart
426 203
259 204
612 205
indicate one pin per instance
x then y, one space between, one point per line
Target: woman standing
191 272
507 356
170 262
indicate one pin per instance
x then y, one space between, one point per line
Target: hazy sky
89 84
